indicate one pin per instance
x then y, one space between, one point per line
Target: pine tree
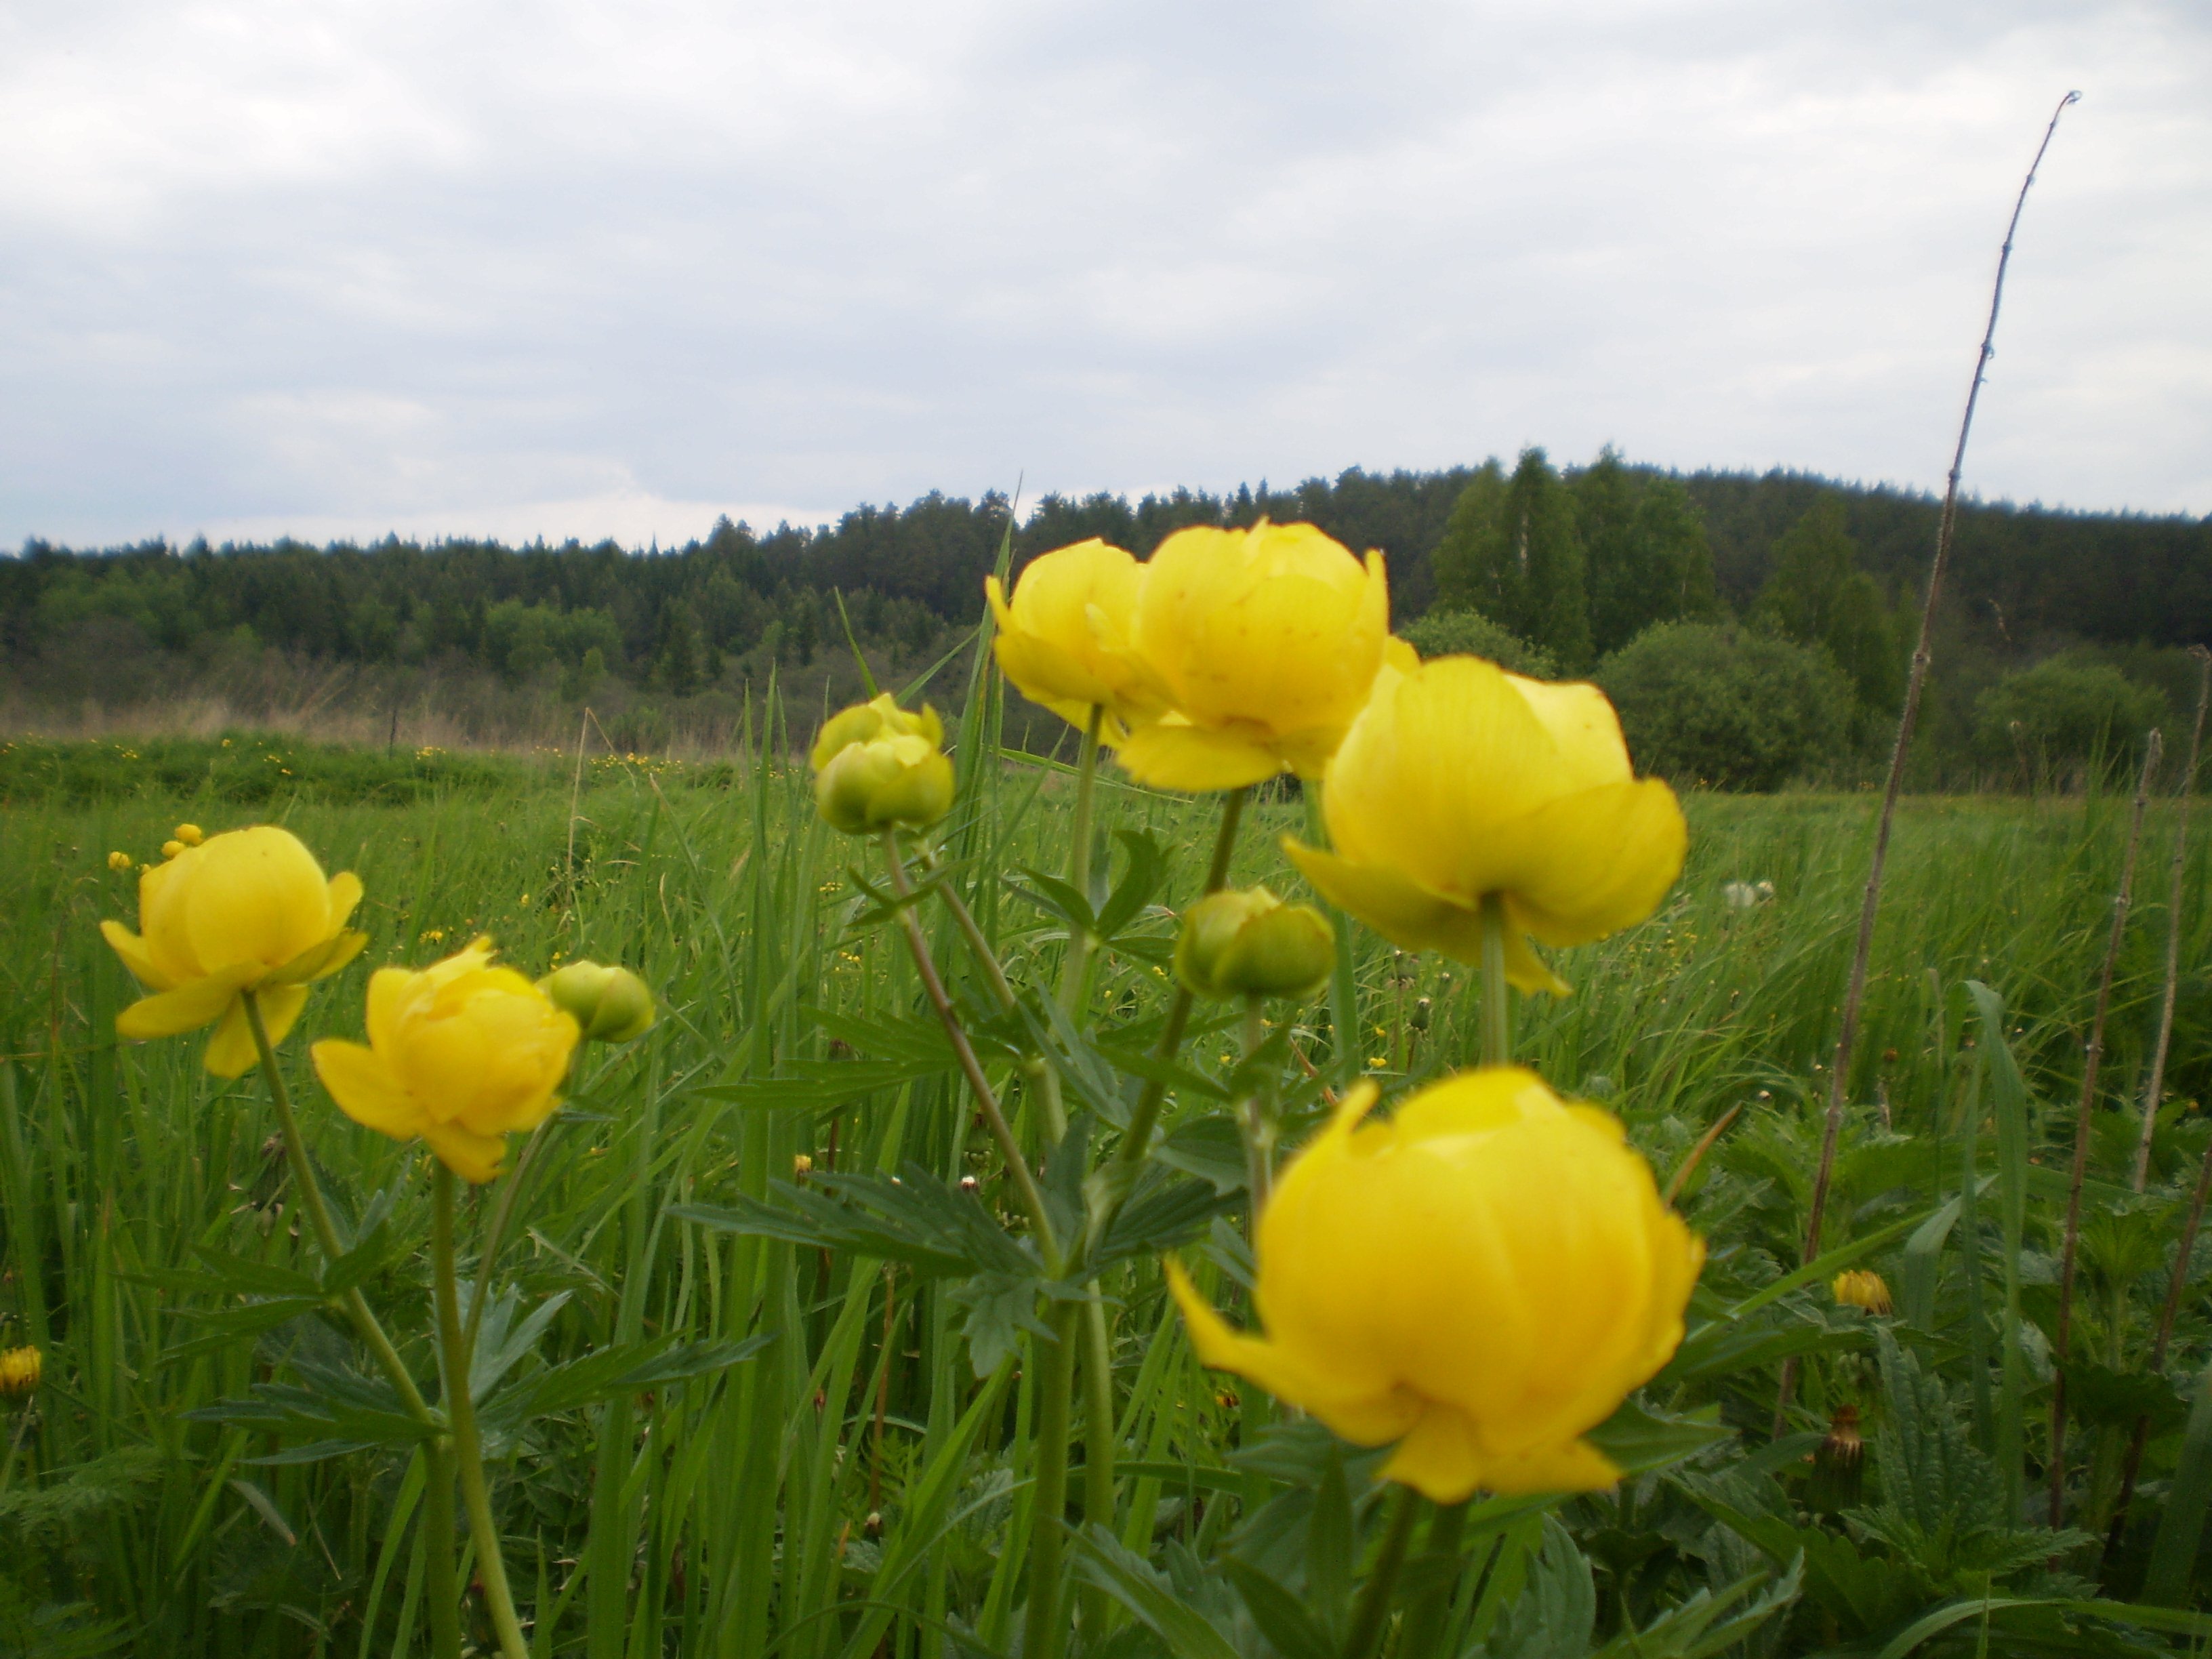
1644 546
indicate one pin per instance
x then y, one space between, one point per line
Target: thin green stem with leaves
443 1589
460 1407
1371 1614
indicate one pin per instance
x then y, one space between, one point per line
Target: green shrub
2063 715
1471 633
1725 706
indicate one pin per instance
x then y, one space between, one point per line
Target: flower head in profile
1246 942
1862 1288
610 1003
1266 641
1459 781
1482 1279
248 910
21 1371
878 767
1064 639
461 1054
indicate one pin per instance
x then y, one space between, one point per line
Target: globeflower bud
1482 1279
119 862
1250 943
170 848
1862 1287
610 1004
20 1371
190 834
878 766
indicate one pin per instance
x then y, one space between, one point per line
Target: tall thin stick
2139 1177
2084 1113
1855 993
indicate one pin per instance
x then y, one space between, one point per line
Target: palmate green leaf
1638 1441
501 1343
1280 1615
1150 1597
1210 1148
626 1368
1162 1216
1056 897
223 1328
1558 1608
913 1218
1865 1594
998 1307
1142 877
1706 1624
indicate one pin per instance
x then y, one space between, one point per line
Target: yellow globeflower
1482 1279
1862 1287
20 1371
876 766
1267 640
461 1054
1065 640
1458 782
119 862
249 910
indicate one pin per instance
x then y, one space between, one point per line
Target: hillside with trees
1577 565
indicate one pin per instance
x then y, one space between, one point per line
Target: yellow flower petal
231 1051
136 956
365 1088
476 1158
1170 754
191 1006
1591 863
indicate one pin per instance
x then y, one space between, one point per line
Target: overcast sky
335 267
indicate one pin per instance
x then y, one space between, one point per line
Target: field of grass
858 1483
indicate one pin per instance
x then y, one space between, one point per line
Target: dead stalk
1855 991
2084 1114
2140 1175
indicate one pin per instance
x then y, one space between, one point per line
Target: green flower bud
611 1005
1252 943
876 765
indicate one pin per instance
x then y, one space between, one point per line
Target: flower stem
1120 1173
1424 1615
460 1408
1370 1614
1255 1118
1077 963
443 1590
1497 1005
1044 1633
1018 1169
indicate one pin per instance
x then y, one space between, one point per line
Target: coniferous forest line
1753 629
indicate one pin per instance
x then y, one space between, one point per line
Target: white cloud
385 262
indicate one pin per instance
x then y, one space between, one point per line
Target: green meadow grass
855 1487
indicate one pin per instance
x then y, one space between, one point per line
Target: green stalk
1017 1168
1497 1005
1044 1631
1425 1617
1099 1433
443 1589
491 1565
1255 1118
1370 1614
1120 1173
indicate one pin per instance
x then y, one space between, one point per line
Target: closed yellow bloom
119 862
1460 780
461 1054
20 1371
1066 640
191 834
1862 1287
1249 942
1267 640
1482 1279
610 1003
249 910
876 766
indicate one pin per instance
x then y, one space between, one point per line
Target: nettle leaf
913 1218
1210 1148
627 1368
1638 1441
1558 1608
998 1307
1161 1216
